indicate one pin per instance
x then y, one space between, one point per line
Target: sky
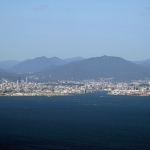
70 28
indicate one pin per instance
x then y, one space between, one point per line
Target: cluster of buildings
137 88
25 88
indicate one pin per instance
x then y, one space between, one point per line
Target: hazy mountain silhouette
143 63
97 67
69 60
8 75
8 64
39 63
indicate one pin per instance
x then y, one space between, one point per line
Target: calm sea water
89 121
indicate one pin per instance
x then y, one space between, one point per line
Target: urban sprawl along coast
25 88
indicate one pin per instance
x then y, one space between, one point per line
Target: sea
94 121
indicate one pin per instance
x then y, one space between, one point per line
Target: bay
86 121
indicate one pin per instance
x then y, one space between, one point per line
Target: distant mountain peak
36 64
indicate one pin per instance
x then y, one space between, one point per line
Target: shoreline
68 94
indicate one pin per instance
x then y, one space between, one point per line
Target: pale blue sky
69 28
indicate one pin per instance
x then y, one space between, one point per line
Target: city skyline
68 29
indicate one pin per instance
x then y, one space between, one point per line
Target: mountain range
79 68
41 63
98 67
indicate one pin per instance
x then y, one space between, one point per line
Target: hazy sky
69 28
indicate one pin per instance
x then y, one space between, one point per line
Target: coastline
113 93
